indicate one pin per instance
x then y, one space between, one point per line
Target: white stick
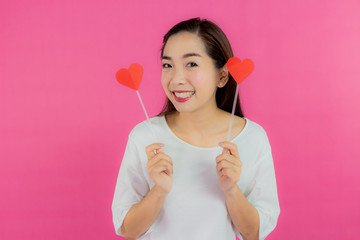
232 112
147 116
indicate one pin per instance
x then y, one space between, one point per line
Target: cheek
165 80
195 78
202 80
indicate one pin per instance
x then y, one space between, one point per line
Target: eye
191 64
166 65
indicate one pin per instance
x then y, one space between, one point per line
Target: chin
185 109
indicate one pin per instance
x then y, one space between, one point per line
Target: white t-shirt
195 207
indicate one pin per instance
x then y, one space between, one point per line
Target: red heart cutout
238 69
130 77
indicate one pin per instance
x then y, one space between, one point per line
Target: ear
223 76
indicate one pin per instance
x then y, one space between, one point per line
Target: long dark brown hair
219 49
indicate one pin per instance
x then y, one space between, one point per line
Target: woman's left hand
228 166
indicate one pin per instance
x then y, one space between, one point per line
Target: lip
181 99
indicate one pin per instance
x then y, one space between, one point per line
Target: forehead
182 43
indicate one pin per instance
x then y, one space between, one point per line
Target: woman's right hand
160 168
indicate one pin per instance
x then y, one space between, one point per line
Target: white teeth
183 94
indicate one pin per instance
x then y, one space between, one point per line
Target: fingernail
221 144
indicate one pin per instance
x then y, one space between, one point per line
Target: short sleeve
263 195
131 185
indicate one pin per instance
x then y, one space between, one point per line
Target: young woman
193 184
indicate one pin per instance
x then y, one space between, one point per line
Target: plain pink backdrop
64 119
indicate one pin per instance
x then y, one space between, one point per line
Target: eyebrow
184 56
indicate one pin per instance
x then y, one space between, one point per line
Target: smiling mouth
182 96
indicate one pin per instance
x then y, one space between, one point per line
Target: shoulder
144 131
256 134
255 129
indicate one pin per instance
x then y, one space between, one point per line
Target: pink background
64 119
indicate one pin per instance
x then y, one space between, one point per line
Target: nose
178 76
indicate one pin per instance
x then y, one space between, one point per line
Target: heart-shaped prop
130 77
238 69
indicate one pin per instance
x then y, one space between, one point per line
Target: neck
200 122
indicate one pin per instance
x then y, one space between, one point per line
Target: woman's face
189 76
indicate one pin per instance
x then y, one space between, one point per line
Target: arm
254 215
143 214
243 215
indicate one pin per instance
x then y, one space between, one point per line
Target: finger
169 170
229 158
159 168
150 150
227 165
159 150
231 147
222 165
159 158
223 172
225 150
233 175
227 172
